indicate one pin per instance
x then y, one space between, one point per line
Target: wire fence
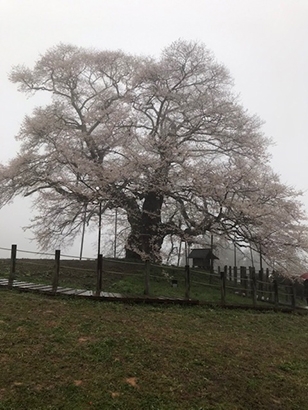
224 286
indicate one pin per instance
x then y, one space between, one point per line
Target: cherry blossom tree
72 149
164 140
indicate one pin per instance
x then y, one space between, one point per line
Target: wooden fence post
230 273
55 279
276 295
13 266
253 286
293 295
267 282
223 285
235 275
306 291
244 279
261 279
147 278
99 274
242 276
187 282
287 293
246 282
211 274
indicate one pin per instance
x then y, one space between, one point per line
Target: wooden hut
202 258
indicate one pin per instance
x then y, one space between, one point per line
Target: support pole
99 229
235 256
13 266
179 253
83 231
212 259
115 234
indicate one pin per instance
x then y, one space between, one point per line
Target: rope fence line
123 273
6 249
210 285
119 261
48 254
167 267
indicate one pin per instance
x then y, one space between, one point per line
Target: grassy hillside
128 278
77 355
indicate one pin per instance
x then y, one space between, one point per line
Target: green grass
77 355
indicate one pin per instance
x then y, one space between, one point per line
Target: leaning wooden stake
13 266
55 279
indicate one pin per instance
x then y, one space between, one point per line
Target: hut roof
202 253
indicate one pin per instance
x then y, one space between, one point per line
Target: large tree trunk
133 247
146 237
